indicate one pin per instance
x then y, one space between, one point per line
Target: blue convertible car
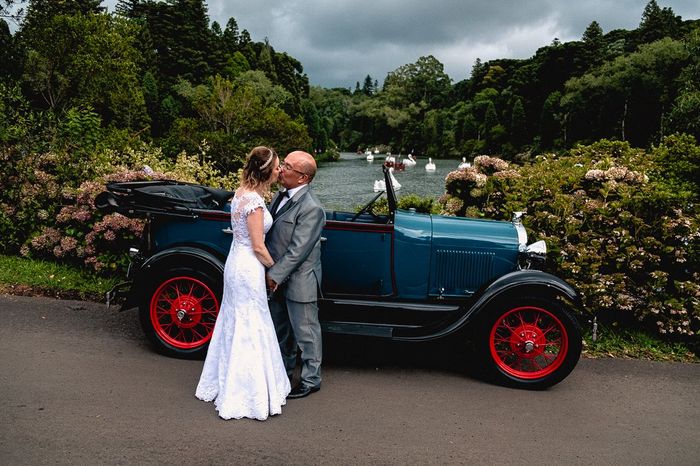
404 276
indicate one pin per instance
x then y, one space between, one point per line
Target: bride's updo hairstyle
259 167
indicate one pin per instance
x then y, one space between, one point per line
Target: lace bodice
241 207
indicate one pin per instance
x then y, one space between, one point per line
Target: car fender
141 274
523 282
519 282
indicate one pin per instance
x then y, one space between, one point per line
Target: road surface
79 385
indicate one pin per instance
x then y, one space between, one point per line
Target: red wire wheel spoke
183 312
528 342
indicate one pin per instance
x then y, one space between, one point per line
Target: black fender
528 282
142 273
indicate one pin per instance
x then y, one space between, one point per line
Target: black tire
530 342
179 309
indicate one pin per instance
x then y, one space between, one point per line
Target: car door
357 259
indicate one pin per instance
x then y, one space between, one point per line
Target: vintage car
405 276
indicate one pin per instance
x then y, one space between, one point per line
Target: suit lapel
290 203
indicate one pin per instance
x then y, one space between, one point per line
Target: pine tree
594 41
9 65
658 23
192 39
518 123
367 87
265 61
477 68
231 36
593 35
131 8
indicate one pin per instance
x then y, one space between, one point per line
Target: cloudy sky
339 42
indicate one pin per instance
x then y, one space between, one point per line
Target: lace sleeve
251 202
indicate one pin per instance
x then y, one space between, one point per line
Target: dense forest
162 72
634 86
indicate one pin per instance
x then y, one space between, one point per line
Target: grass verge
636 344
31 277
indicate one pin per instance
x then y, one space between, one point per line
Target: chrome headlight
533 254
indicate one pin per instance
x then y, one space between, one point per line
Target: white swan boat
380 185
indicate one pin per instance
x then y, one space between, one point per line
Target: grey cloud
339 42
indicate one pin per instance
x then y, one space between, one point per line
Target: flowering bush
61 223
30 194
616 230
82 235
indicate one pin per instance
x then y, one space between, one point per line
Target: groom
294 242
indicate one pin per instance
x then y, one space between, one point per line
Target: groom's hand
271 285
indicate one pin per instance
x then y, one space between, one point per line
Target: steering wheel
368 207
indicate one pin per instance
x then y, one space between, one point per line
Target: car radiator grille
462 272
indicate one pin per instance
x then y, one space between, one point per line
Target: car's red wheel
528 342
183 312
179 312
533 344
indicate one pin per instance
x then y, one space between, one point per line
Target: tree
314 125
518 123
151 97
550 121
86 60
235 65
657 23
271 94
367 86
424 81
490 117
265 61
231 36
593 35
9 54
685 112
629 97
234 116
290 75
180 35
477 69
595 42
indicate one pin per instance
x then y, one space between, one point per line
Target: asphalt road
79 385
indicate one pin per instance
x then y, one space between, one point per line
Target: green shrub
424 205
615 227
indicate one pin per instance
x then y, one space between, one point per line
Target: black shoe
301 390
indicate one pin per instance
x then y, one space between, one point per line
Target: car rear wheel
534 343
179 311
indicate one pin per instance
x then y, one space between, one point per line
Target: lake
349 182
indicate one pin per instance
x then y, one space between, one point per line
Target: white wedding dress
243 373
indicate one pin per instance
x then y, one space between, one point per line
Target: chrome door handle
228 231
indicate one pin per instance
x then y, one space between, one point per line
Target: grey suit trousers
297 324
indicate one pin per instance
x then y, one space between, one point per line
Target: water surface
349 182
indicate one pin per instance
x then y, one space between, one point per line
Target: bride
243 373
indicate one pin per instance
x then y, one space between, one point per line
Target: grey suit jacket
294 242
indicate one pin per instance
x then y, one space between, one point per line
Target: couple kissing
269 310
